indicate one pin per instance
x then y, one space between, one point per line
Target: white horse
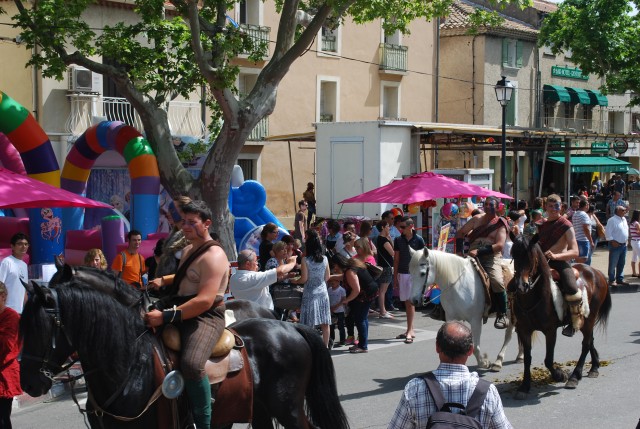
461 296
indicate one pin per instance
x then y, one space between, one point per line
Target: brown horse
533 306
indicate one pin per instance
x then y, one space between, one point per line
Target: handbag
286 296
374 270
600 231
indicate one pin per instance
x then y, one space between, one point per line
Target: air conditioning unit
83 80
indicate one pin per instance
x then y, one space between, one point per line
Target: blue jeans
595 245
584 248
617 259
360 312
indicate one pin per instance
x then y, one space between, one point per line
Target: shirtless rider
558 242
195 305
487 233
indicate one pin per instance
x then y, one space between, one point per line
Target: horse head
421 274
46 347
528 260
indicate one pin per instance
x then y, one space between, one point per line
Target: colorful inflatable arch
39 160
143 169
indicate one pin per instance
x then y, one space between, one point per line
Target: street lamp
504 89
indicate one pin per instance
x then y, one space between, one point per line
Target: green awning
579 96
597 99
591 164
555 93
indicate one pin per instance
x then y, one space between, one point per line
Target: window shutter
511 110
505 52
518 53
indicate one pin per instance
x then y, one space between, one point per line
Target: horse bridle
527 286
47 368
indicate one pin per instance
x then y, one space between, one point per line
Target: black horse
533 306
290 365
114 286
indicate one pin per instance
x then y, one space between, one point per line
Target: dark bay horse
112 285
292 369
533 306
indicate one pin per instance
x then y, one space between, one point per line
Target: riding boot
199 394
577 319
501 310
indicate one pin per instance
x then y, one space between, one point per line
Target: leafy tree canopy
604 39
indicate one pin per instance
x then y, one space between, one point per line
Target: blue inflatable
247 202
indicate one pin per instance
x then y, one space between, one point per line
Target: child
336 296
532 227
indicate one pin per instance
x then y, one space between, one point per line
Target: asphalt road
370 384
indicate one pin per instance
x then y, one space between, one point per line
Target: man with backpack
435 400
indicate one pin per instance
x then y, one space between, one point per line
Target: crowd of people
340 291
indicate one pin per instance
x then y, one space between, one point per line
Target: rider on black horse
487 233
195 305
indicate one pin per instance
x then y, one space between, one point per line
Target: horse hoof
560 376
496 367
520 396
593 374
571 384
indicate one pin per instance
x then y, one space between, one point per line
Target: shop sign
567 72
599 147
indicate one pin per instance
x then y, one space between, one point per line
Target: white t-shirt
335 296
12 270
253 286
579 219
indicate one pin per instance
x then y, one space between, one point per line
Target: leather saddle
226 357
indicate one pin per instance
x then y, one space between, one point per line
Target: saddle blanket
559 303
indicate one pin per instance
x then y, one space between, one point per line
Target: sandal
408 340
401 337
358 350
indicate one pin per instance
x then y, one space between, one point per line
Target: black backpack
444 418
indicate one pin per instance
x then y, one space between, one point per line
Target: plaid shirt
416 404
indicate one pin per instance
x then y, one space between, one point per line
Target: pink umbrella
18 191
423 187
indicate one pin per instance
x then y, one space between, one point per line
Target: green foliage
193 151
604 38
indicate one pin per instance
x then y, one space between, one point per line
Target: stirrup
501 322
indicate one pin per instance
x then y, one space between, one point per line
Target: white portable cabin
356 157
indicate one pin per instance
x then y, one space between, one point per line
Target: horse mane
448 265
117 333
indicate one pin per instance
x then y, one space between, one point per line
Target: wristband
485 250
459 245
171 315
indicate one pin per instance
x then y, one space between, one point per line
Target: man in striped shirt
454 345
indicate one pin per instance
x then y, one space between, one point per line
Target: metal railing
329 43
576 125
393 57
184 116
326 117
260 37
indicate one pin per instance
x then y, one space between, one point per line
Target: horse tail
323 403
604 310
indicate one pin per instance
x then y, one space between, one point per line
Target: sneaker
340 344
330 345
613 284
350 341
386 316
393 308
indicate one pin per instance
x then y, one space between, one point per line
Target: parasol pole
544 161
339 211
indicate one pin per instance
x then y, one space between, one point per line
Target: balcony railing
329 43
326 117
576 125
184 116
393 57
260 131
259 36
